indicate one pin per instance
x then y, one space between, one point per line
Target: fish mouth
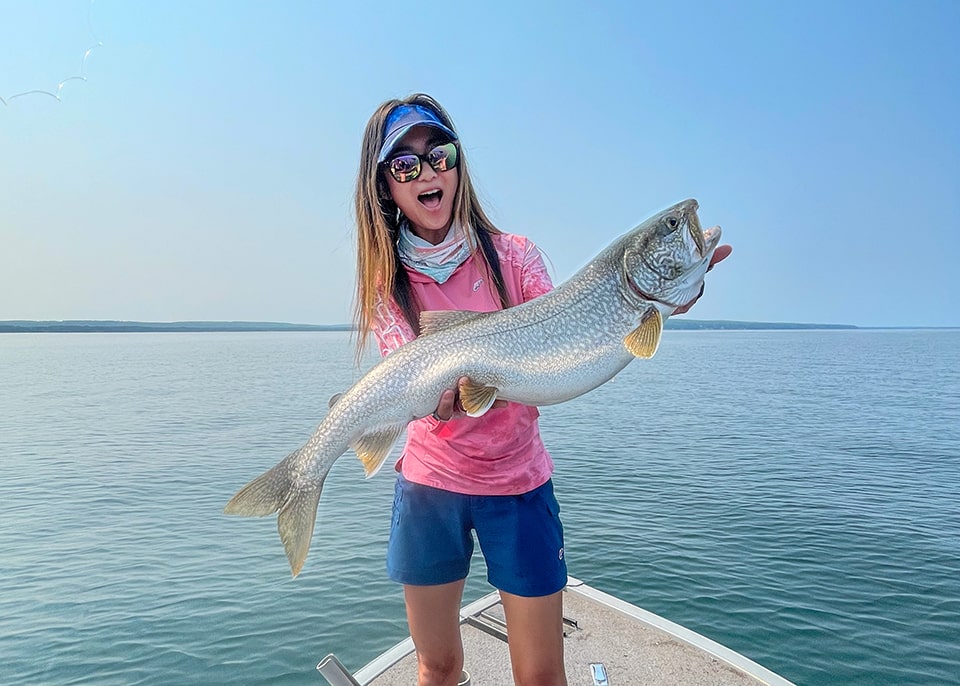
711 239
705 241
694 228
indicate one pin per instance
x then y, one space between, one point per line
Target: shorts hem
530 591
414 578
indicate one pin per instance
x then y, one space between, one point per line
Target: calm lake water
794 495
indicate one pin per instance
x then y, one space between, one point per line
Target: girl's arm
390 327
534 279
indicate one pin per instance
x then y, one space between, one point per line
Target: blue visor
403 118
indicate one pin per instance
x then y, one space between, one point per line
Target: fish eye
672 222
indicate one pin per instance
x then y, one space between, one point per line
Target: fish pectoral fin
476 399
333 399
432 321
644 340
372 448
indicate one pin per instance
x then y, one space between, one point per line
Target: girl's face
427 201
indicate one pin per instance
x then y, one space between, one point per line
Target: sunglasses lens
443 157
405 168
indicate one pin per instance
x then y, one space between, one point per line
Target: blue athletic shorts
521 538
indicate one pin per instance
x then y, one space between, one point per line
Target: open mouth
696 232
711 239
431 199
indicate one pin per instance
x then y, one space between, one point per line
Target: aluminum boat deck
608 642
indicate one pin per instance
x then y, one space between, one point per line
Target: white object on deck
335 673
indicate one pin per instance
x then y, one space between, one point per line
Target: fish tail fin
295 524
266 494
278 490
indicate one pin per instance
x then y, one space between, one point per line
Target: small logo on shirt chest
477 284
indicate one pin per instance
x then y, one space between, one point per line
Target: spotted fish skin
546 351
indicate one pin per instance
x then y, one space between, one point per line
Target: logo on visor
561 554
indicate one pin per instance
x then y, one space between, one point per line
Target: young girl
425 243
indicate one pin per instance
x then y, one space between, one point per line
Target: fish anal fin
432 321
476 399
643 341
333 399
372 448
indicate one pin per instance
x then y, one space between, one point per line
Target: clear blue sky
205 168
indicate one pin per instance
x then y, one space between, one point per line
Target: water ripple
796 502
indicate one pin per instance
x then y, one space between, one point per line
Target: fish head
666 257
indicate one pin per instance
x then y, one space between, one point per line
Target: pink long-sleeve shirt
500 453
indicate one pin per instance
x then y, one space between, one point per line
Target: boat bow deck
633 645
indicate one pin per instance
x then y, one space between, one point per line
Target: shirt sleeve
534 279
390 327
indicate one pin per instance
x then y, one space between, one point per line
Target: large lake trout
542 352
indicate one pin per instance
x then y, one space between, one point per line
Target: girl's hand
719 255
449 405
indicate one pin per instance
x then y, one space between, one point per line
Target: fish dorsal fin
372 448
438 320
644 340
476 399
333 399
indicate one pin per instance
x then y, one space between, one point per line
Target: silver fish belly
546 351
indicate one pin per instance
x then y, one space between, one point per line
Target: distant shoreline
97 326
111 326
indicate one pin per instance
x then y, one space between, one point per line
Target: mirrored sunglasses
407 167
